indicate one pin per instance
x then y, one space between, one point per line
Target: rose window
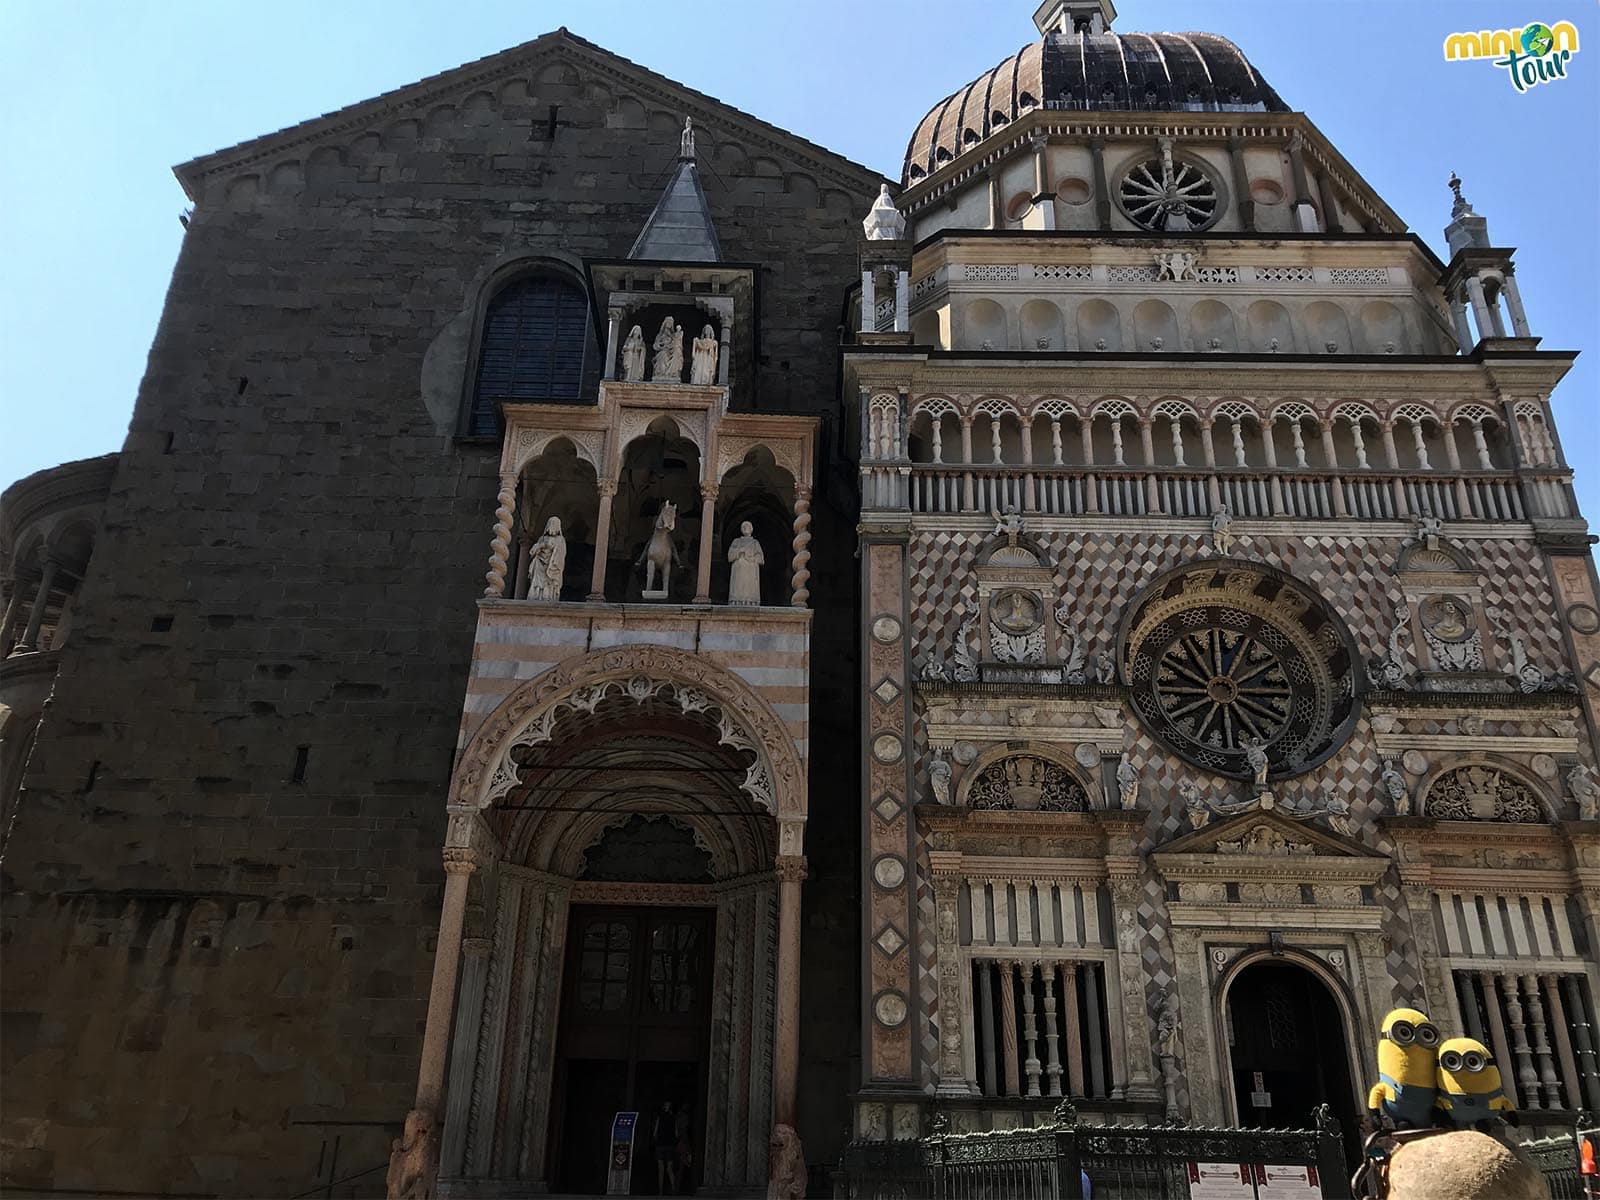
1222 658
1167 195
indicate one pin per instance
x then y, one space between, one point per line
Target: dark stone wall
214 970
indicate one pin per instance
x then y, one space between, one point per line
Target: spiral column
500 545
800 547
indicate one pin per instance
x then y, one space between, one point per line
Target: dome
1083 72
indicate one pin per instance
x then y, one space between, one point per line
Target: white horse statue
660 552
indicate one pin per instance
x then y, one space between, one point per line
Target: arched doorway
1289 1050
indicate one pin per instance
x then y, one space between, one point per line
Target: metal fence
1557 1160
1049 1162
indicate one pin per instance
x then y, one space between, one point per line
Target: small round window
1074 191
1168 194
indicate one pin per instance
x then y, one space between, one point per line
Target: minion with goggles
1470 1092
1408 1075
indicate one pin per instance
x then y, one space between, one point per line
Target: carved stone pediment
1265 834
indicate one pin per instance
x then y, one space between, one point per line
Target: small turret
1479 276
1075 16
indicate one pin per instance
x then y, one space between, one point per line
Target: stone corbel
468 837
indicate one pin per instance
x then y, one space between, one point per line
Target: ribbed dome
1076 72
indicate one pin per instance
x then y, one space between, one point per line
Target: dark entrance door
633 1033
1289 1050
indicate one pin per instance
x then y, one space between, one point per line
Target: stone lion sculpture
413 1158
1464 1165
786 1168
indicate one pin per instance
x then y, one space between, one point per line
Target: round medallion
887 748
1016 612
1220 658
1087 754
1447 618
1583 618
889 872
890 1010
1336 959
1544 766
885 628
1415 762
964 753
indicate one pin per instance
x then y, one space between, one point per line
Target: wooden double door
633 1036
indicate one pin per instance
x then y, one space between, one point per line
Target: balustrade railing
1307 495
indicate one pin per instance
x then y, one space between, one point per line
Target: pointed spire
1466 229
680 228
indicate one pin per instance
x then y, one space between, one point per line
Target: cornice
1319 918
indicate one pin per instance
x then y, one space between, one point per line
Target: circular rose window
1222 656
1170 195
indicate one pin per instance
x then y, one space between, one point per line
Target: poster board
1221 1181
1287 1179
619 1172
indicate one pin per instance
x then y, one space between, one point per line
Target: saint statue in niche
703 362
633 355
745 558
667 366
547 562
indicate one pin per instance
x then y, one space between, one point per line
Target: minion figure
1471 1095
1408 1074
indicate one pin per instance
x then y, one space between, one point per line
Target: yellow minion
1407 1071
1470 1091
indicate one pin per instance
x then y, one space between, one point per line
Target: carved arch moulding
775 780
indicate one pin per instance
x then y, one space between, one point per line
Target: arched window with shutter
535 348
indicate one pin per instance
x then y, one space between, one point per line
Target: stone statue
1199 813
1127 782
1394 783
414 1158
547 562
939 771
660 552
1176 266
1581 783
703 358
1429 530
1222 529
1010 524
1447 628
745 559
686 139
1167 1051
786 1165
1255 756
667 366
633 356
884 222
1338 813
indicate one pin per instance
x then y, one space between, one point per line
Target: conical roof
680 228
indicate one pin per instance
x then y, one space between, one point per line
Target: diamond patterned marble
890 940
887 691
887 808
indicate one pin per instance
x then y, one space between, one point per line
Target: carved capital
708 491
459 862
608 488
790 868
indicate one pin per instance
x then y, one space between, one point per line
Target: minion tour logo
1535 54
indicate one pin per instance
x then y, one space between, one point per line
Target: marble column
1543 1053
1480 308
791 871
41 601
708 519
1527 1077
1069 1002
545 946
500 543
800 549
469 1022
613 346
8 625
952 1047
1458 316
602 540
1102 192
1130 972
869 301
505 960
1008 1028
1519 316
1439 997
1563 1038
1241 184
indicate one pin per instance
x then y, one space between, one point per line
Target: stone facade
223 878
342 803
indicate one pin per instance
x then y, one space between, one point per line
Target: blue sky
99 100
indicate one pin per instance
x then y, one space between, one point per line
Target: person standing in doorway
666 1143
685 1152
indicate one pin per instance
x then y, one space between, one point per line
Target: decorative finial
686 142
1460 208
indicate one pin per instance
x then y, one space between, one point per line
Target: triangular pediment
486 79
1263 833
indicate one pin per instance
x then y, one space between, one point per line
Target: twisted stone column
800 549
500 546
